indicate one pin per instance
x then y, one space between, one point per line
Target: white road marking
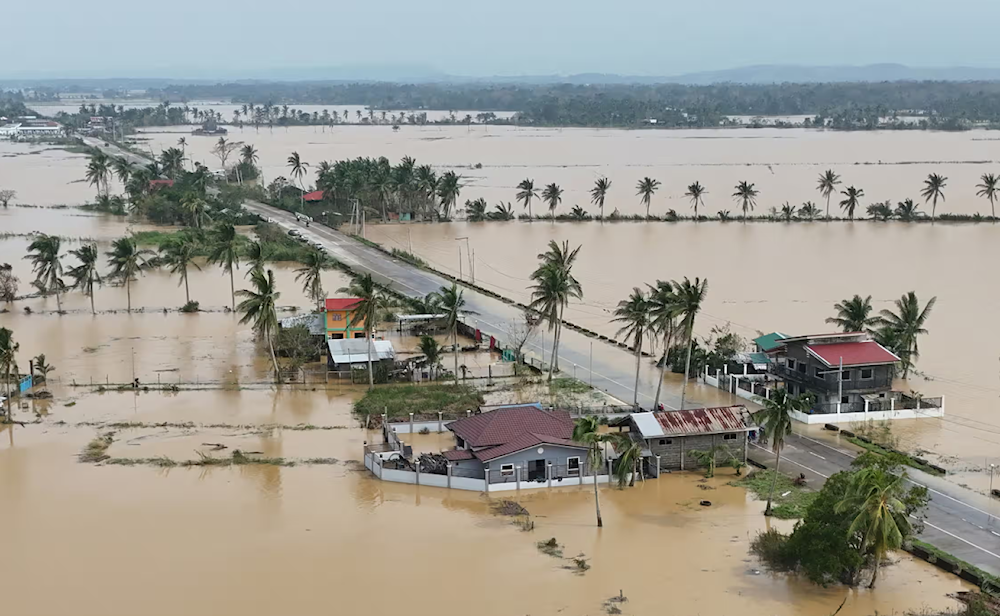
978 547
811 470
817 455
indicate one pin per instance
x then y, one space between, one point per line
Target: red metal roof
458 454
505 425
701 421
525 441
156 183
341 303
316 195
853 353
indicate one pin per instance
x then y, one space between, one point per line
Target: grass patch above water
401 400
568 386
786 507
905 459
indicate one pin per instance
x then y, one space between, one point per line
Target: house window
336 316
665 441
729 437
359 334
845 399
791 364
867 373
506 470
802 367
845 375
336 336
573 466
819 373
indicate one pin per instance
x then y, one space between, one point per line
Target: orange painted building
338 319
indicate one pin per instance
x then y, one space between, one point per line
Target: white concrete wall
404 427
468 483
835 418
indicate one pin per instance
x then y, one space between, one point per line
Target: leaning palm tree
259 306
224 250
552 195
85 275
746 196
776 419
599 192
587 431
854 315
905 325
663 313
98 171
122 168
372 303
646 187
554 285
989 189
875 499
690 295
828 182
298 170
8 362
127 261
46 263
179 255
197 211
432 351
934 190
629 462
451 302
907 210
448 190
633 314
256 255
526 191
694 193
311 274
852 197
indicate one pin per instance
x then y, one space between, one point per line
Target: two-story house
839 370
338 319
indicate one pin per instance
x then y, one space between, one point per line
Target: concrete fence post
607 464
657 466
439 421
892 404
418 472
767 393
918 405
725 369
866 405
517 476
548 474
487 479
468 412
448 467
411 423
746 369
838 408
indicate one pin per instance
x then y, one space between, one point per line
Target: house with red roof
339 322
517 443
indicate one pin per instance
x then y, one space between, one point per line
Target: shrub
191 306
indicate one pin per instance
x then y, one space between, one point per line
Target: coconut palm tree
372 304
224 250
178 255
599 192
629 462
46 263
746 196
85 275
8 362
663 313
854 315
808 211
259 307
695 192
554 285
127 261
475 211
122 169
183 143
298 171
587 431
828 182
690 295
256 255
197 211
42 368
646 187
633 313
98 171
448 190
988 188
905 325
311 274
907 210
172 162
875 499
776 419
432 351
852 197
450 302
934 190
525 193
552 195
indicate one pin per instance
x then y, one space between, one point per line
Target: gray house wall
556 454
826 386
675 452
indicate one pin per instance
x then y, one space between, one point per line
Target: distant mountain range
760 74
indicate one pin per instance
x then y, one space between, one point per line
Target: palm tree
634 314
259 306
42 368
905 325
599 192
122 169
552 195
298 170
256 255
197 211
224 250
907 210
8 362
98 171
808 211
432 351
695 193
525 193
629 461
372 303
828 182
451 302
43 252
851 200
646 187
179 255
663 313
746 195
854 315
249 158
690 295
172 162
587 431
989 189
311 274
475 211
554 285
875 498
449 188
127 260
183 143
85 275
933 190
776 419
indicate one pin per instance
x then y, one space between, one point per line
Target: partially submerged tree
6 196
314 262
554 285
46 262
178 255
633 314
127 261
854 315
776 419
372 303
259 307
224 250
8 362
86 275
587 431
432 351
8 282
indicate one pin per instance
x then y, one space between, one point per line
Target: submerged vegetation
401 400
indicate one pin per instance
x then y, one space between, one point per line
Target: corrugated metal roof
769 342
355 350
341 303
694 421
312 322
853 353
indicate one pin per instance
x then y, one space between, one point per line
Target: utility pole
133 365
459 262
591 363
840 384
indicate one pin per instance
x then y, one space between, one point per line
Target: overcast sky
216 39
